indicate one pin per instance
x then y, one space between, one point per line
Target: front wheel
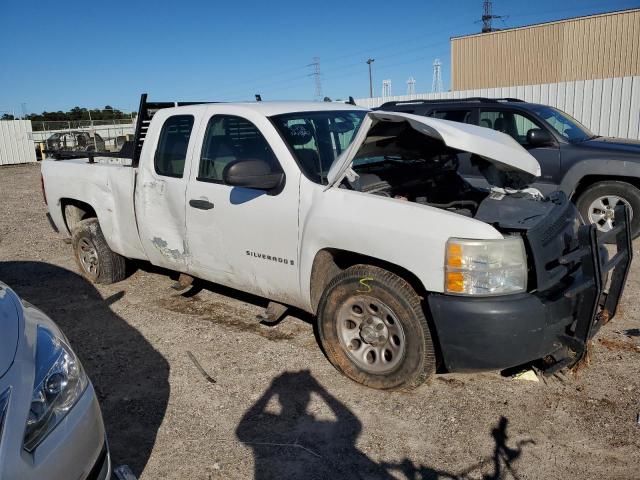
97 262
373 329
597 203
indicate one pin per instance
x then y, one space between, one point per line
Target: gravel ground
279 410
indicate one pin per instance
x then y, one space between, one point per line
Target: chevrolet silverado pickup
359 218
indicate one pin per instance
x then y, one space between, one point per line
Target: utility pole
487 16
369 62
436 84
386 88
317 77
411 86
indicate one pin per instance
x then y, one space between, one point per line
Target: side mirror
536 137
252 173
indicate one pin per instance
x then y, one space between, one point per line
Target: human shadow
293 443
130 377
503 459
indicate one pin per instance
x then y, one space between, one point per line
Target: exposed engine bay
399 162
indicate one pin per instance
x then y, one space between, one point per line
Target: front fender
406 234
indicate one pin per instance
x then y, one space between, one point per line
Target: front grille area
550 240
4 405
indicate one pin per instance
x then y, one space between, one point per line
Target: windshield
318 138
564 124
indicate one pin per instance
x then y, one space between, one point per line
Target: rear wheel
373 329
97 262
597 204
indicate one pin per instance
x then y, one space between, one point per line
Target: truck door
160 193
242 237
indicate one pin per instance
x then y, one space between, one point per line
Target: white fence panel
16 145
608 107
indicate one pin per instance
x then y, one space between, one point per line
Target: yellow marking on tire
363 282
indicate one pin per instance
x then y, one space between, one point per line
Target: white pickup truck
358 217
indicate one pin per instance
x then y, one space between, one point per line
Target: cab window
229 138
172 146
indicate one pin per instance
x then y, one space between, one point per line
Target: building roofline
534 25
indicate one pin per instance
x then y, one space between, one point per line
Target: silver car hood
9 327
494 146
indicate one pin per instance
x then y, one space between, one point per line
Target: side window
229 138
507 122
456 115
172 146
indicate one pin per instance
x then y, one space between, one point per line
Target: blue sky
56 55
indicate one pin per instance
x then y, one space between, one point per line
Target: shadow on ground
130 377
289 441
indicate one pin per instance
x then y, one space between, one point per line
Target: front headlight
59 382
485 267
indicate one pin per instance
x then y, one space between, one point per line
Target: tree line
75 114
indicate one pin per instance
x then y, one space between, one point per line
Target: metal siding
608 107
598 46
16 145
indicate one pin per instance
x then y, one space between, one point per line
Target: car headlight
59 383
485 267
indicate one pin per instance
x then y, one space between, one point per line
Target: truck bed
106 185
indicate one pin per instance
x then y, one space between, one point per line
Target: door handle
201 204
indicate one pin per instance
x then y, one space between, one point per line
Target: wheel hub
602 211
371 334
374 332
88 255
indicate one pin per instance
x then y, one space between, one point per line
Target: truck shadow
292 437
130 377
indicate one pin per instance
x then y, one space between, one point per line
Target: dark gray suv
597 173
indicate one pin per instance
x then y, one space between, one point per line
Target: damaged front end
572 288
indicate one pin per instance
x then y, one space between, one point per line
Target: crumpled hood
9 327
496 147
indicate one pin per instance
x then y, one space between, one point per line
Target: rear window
171 153
458 115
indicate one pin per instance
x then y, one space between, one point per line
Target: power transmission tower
436 84
369 62
411 86
487 16
386 88
23 108
317 77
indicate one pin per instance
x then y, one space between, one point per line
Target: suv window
508 122
229 138
172 146
457 115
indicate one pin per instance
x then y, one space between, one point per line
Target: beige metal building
584 48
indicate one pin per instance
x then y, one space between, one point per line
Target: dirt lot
279 410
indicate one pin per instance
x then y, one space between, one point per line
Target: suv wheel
597 203
97 262
373 329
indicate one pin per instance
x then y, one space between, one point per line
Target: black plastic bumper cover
493 333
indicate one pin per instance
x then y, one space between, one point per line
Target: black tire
416 364
624 190
104 265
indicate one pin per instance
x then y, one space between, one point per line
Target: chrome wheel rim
88 255
602 211
371 334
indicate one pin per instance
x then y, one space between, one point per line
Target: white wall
16 145
608 107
